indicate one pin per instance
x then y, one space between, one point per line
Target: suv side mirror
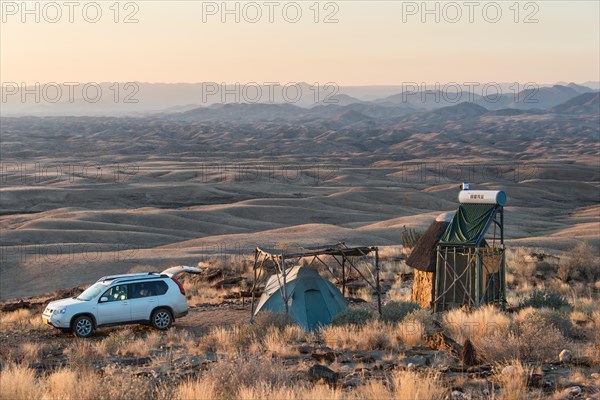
103 299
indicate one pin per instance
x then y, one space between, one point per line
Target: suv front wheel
161 319
83 326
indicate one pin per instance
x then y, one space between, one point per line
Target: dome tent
313 301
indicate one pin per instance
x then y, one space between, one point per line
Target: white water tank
482 197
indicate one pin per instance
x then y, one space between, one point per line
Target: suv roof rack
127 277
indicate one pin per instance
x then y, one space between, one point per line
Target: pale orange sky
370 45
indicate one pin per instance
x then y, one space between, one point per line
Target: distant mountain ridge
143 99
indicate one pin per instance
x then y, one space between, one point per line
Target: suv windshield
92 292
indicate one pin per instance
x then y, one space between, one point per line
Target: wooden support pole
377 277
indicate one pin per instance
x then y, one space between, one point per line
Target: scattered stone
390 366
565 356
132 361
596 376
324 356
303 349
572 391
351 382
411 367
418 361
320 372
457 395
363 358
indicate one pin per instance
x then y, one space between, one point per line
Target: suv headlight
61 310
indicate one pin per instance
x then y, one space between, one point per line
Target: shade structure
312 301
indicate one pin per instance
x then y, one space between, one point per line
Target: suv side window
146 289
142 289
116 293
161 287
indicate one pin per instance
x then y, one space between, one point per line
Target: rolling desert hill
84 197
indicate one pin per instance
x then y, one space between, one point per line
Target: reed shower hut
460 259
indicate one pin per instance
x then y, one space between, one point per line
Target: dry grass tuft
226 378
513 378
82 354
374 335
67 384
19 319
479 323
417 385
411 333
18 382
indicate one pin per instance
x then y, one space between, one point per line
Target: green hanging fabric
469 224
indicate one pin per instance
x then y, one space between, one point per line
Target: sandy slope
69 231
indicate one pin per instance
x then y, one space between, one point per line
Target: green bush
396 311
354 316
425 317
545 299
552 317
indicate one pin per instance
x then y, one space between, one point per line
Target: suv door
143 299
116 308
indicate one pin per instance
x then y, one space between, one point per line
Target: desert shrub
82 354
374 335
519 263
596 318
117 385
18 382
580 262
410 237
526 339
513 378
67 384
423 316
115 341
476 324
548 316
545 299
411 333
418 385
226 378
396 311
352 316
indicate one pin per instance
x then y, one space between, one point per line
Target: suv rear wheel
83 326
161 319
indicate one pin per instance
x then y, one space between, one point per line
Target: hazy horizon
352 43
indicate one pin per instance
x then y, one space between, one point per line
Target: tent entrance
313 300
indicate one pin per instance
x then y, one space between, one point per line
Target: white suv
144 298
